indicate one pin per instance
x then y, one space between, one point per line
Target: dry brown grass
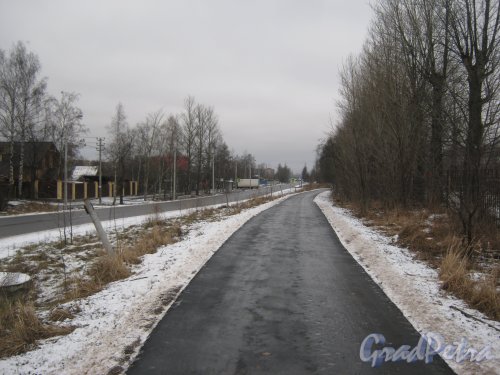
31 207
108 268
20 327
454 270
455 275
160 235
258 201
209 214
429 239
104 270
60 314
434 236
313 186
204 214
485 297
79 287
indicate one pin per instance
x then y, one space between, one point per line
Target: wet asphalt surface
24 224
281 296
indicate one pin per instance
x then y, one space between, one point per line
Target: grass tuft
20 328
108 268
454 270
161 234
481 294
59 315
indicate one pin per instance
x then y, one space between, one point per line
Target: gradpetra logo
429 345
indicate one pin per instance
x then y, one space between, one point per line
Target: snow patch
13 278
415 288
125 312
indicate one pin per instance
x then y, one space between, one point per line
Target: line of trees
421 100
29 115
192 138
144 152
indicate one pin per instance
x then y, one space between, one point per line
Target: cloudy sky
268 67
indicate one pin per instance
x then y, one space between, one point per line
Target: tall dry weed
20 328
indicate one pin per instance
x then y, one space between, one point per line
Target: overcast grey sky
268 67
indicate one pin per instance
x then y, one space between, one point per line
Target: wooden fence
80 190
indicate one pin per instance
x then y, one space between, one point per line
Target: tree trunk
11 169
436 146
21 167
198 170
146 179
472 159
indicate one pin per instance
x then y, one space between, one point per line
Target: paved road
281 296
16 225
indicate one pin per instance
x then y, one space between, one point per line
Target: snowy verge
114 323
10 245
415 288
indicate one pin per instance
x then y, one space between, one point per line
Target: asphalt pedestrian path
281 296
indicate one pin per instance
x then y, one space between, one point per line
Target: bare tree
201 114
32 92
423 31
147 137
188 136
21 99
65 127
423 94
9 95
475 43
119 148
213 138
174 131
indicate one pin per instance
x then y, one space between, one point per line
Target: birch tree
65 127
29 106
21 98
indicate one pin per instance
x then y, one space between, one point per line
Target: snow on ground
13 278
10 245
415 288
114 323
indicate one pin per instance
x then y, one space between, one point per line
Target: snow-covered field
415 288
114 323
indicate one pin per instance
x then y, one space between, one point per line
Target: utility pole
174 182
99 148
213 170
175 171
98 226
